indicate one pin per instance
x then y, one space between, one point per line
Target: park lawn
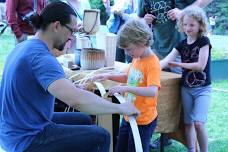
217 125
219 41
6 44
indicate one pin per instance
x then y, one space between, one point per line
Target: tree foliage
98 4
219 8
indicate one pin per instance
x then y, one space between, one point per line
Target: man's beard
61 46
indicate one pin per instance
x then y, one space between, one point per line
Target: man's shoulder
36 45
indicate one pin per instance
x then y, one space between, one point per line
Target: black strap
3 29
94 24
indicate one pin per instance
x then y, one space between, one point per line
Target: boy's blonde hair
134 32
197 14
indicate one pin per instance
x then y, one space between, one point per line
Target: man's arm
174 13
11 15
142 15
86 101
201 3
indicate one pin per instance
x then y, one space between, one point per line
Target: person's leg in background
77 135
120 55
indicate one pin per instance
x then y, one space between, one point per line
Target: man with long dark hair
32 78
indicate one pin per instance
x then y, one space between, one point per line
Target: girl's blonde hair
134 32
197 14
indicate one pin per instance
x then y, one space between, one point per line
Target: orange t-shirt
143 73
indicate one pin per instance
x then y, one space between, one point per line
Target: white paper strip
100 88
134 126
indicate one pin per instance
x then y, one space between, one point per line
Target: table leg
162 142
116 124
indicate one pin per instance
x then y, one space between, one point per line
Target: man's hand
129 109
149 18
80 27
174 14
57 53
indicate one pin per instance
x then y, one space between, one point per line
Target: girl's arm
149 91
170 57
200 64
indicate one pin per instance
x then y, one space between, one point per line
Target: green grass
7 43
219 41
217 125
219 47
222 84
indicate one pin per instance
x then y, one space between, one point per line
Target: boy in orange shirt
143 83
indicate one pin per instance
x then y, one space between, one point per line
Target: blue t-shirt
189 54
26 105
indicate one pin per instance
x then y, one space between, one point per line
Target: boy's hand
117 89
100 77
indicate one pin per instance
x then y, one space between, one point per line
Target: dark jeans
125 141
121 56
71 132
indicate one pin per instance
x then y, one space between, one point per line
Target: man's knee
101 135
104 133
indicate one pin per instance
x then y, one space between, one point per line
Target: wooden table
169 105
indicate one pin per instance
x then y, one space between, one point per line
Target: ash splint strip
101 88
134 126
132 121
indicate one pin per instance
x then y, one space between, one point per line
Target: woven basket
169 103
92 59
